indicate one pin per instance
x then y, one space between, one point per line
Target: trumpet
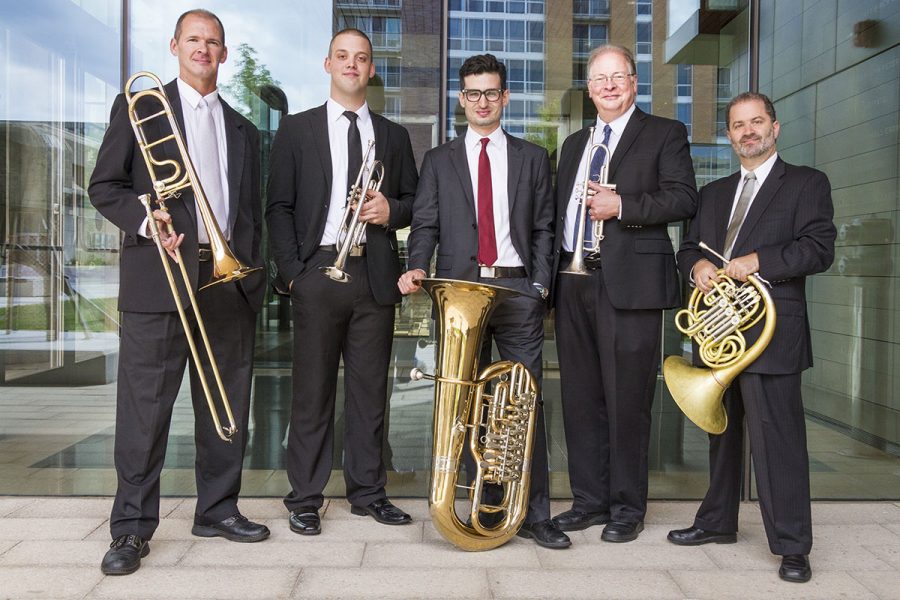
226 267
352 229
577 266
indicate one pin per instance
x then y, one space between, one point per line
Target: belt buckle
487 272
204 254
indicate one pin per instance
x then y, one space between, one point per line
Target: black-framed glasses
475 95
618 78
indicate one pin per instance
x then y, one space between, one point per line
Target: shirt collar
762 171
497 137
617 125
336 111
192 96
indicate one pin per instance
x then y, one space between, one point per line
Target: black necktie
354 148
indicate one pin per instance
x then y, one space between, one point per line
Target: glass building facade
832 67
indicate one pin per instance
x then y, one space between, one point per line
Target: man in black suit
608 322
316 155
774 219
502 235
224 148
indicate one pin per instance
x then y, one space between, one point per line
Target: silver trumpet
352 229
577 265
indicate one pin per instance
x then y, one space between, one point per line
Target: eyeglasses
617 78
475 95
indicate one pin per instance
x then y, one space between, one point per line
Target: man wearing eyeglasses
608 320
485 201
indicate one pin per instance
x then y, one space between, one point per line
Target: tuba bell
501 422
716 322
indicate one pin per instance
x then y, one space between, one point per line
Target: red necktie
487 240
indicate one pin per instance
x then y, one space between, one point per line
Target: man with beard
774 219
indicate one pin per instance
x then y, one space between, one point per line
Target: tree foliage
251 75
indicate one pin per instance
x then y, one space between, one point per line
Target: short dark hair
200 12
353 31
622 50
747 97
482 63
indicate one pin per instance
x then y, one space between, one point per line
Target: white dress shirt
618 127
497 154
190 99
761 172
338 126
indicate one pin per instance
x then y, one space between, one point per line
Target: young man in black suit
316 155
775 219
608 323
500 235
153 346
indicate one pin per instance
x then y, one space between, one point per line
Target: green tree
545 132
243 89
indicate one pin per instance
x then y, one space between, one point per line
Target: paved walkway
51 548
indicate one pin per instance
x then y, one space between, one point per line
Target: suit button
472 258
474 226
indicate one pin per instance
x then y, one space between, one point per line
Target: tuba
501 422
577 265
226 267
715 322
352 229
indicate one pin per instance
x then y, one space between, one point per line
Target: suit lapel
568 170
762 200
321 140
382 134
171 89
514 166
461 165
234 139
632 129
723 207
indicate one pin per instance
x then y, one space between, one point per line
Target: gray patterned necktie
210 171
740 212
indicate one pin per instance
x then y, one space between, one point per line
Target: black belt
354 250
204 253
591 263
501 272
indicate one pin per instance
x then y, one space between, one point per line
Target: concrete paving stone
860 534
671 513
719 585
443 554
830 557
889 554
391 584
220 583
570 584
855 513
47 529
254 509
9 504
47 582
84 553
633 555
4 546
60 507
293 554
884 585
895 527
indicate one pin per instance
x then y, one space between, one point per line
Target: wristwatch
544 292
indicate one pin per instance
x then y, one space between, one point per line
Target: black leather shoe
576 520
546 534
236 528
124 555
305 521
694 536
383 511
617 531
795 568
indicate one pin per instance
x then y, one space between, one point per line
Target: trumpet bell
697 393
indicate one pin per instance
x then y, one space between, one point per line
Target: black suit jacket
299 193
120 176
444 213
654 175
789 225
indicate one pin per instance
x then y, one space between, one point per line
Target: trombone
226 267
352 229
577 265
